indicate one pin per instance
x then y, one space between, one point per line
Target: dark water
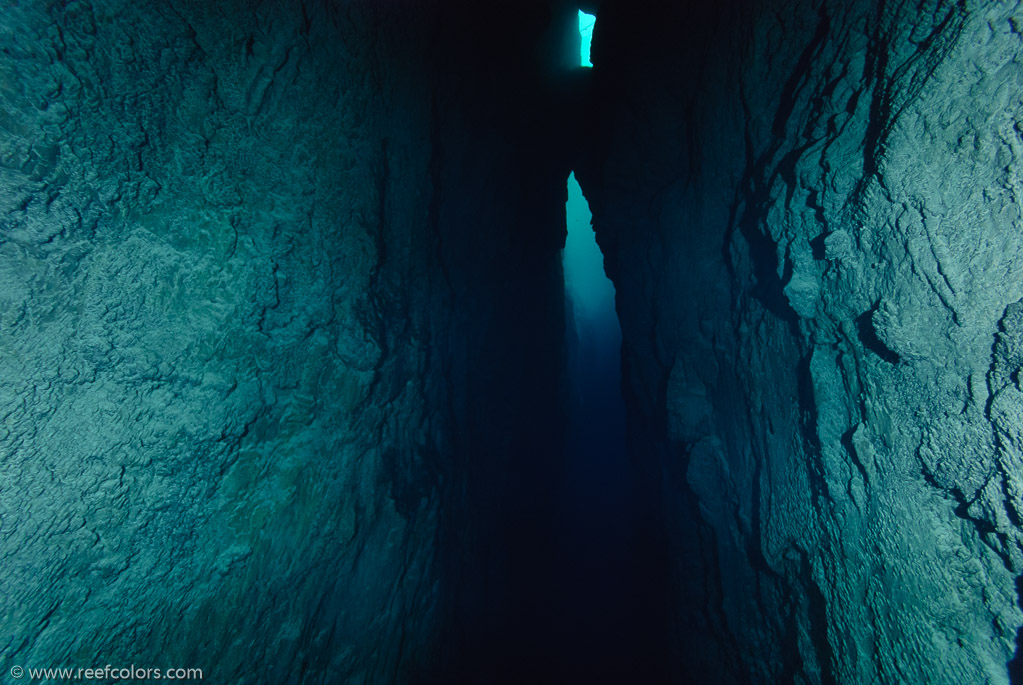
607 579
577 589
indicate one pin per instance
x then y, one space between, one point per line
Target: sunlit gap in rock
596 431
590 292
586 23
593 522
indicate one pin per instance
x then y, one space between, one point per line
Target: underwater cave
436 342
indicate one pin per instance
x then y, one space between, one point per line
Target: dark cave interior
297 387
581 575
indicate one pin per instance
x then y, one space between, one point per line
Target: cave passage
601 625
595 460
595 502
303 381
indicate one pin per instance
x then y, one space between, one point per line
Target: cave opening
594 502
586 25
604 629
593 331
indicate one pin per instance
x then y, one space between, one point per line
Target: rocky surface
247 292
811 212
281 316
208 374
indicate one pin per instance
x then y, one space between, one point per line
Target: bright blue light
591 292
586 22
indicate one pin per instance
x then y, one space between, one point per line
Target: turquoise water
586 22
591 292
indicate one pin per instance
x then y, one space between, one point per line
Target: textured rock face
206 372
812 214
240 319
280 306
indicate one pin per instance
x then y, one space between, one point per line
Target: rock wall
812 217
250 298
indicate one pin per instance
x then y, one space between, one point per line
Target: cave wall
250 301
209 339
811 212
